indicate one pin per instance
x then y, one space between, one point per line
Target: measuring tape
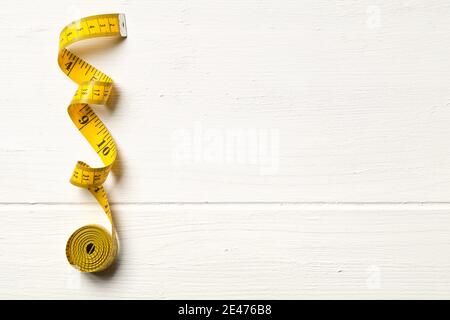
91 248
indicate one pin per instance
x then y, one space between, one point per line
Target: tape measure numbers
91 248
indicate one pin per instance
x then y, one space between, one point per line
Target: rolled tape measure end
123 25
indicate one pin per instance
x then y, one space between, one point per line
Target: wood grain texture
289 148
358 105
234 251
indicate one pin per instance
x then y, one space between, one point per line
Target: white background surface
337 185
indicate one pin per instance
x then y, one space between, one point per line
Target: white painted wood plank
354 95
234 251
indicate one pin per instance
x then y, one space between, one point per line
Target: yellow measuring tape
91 248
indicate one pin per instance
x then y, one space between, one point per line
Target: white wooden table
268 149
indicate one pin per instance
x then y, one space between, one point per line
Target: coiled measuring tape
91 248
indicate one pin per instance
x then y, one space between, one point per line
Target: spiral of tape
91 248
